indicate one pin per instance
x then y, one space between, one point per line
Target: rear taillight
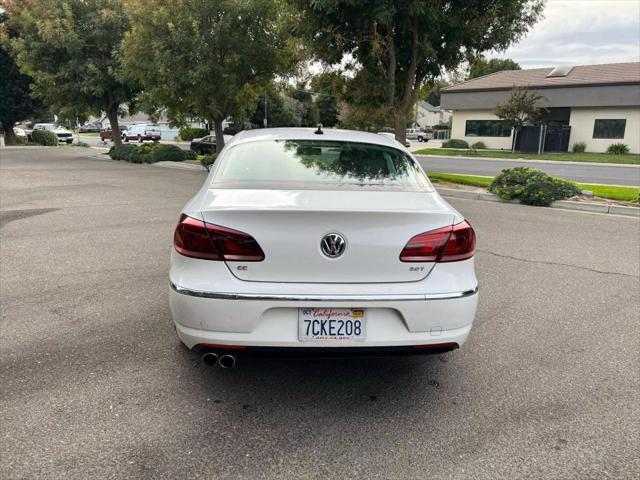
447 244
197 239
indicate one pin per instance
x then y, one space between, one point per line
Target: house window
609 128
487 128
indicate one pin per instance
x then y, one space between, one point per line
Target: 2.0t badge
333 245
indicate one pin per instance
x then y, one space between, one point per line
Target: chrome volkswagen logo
333 245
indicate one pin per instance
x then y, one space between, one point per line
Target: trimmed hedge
189 133
532 187
455 143
479 146
45 137
150 153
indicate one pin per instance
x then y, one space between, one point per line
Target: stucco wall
583 119
458 124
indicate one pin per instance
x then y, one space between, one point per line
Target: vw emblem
333 245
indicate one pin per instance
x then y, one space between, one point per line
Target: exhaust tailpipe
210 359
227 361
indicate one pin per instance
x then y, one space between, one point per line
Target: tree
16 102
329 87
404 43
519 110
483 67
208 60
278 112
430 92
68 48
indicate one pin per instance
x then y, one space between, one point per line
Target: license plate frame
332 324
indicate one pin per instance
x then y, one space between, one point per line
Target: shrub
208 161
531 186
128 153
189 133
190 155
479 146
618 148
579 147
45 137
455 143
166 153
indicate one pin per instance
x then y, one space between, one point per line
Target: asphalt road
95 383
583 172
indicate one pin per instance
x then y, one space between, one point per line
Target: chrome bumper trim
323 298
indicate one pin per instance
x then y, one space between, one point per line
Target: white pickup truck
63 134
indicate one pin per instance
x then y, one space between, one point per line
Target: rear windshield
316 164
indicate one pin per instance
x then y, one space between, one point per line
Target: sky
580 32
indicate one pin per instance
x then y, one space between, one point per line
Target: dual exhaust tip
223 361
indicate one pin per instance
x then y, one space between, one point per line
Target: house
429 116
595 104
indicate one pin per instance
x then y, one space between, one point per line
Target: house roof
582 75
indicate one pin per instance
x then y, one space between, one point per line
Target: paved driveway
96 385
583 172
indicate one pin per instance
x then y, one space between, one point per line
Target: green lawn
630 158
613 192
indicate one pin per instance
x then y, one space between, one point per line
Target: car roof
330 134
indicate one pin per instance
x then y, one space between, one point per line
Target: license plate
332 323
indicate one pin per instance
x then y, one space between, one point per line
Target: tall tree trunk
112 115
515 139
9 136
400 125
219 132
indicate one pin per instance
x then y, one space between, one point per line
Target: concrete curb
528 160
563 204
179 165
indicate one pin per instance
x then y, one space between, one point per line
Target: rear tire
420 139
139 139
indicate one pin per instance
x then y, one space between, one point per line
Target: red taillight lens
448 244
197 239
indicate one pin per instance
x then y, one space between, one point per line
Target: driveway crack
543 262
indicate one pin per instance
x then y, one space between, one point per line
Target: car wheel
139 139
420 139
125 139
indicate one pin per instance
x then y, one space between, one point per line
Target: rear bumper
271 320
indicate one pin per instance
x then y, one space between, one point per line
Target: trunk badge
333 245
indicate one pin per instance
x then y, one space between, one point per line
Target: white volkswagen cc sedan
314 242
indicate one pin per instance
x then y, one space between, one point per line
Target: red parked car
105 133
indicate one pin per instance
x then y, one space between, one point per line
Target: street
583 172
95 383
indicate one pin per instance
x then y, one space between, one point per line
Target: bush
45 137
150 153
190 155
128 153
579 147
479 146
165 153
531 186
189 133
208 161
455 143
618 148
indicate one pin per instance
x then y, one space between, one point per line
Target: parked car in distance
391 135
307 244
20 132
204 146
63 134
419 135
142 132
105 133
89 128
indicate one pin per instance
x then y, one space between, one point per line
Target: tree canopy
483 67
68 48
402 44
207 60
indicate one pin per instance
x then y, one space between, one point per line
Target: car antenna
319 130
